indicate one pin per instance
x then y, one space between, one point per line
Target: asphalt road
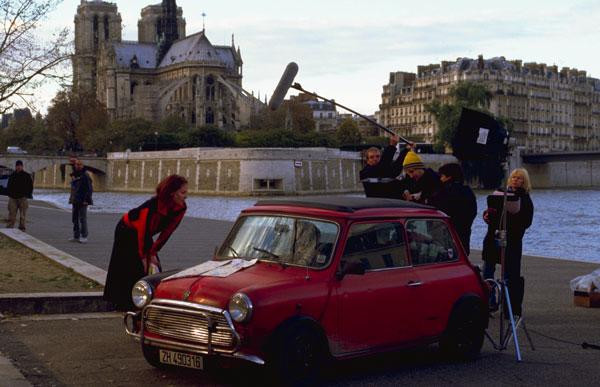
92 350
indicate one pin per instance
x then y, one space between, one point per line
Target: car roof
347 204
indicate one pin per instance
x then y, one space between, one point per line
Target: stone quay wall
565 174
245 171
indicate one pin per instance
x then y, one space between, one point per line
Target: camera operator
379 175
517 222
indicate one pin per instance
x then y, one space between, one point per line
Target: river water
566 223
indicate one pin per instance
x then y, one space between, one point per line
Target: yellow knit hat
412 160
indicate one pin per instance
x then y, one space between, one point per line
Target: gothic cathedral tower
96 22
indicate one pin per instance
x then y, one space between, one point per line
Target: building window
210 116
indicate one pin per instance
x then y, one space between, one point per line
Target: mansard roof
144 52
197 48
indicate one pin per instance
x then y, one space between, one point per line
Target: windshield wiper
271 254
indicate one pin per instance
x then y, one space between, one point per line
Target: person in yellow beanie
422 182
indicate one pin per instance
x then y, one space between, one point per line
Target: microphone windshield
283 86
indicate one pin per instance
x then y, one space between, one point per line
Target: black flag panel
479 136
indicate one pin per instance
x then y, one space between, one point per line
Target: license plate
181 359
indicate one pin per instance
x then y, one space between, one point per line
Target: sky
345 50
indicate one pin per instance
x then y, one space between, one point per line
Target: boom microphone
283 86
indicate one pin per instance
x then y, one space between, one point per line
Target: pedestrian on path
80 199
134 252
19 189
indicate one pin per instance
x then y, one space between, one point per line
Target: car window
376 245
288 240
430 241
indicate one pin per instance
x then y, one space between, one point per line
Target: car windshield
286 240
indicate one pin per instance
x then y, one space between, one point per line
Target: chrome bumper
133 327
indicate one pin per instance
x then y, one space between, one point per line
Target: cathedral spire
168 24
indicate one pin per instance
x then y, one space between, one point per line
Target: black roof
342 203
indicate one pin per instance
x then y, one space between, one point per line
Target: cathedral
162 74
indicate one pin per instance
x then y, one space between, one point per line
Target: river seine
566 223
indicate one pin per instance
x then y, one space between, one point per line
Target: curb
53 303
10 376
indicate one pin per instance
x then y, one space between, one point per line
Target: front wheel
299 355
465 332
151 354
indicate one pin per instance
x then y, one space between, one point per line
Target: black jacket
516 225
459 203
20 185
81 188
428 185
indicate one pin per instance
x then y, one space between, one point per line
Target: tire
298 355
151 355
465 332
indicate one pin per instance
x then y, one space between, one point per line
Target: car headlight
141 294
240 307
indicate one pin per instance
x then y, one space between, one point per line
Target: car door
435 257
378 308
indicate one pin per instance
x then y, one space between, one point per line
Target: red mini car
297 282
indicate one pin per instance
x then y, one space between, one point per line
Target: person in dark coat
421 183
379 175
19 188
457 200
135 252
516 225
80 199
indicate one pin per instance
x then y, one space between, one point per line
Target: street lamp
155 141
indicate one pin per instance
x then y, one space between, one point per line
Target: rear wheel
465 332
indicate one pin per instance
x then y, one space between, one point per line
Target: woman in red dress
134 252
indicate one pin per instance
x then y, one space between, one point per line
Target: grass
26 271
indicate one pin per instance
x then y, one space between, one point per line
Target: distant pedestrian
80 199
19 189
134 252
457 200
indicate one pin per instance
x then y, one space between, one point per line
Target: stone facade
165 73
552 109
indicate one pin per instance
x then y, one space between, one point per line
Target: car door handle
415 283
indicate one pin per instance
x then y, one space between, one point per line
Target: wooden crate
587 300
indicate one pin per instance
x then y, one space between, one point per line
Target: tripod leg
512 324
527 334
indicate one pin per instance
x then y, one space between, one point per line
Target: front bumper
188 327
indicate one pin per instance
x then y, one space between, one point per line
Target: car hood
216 291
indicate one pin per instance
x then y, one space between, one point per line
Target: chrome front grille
188 324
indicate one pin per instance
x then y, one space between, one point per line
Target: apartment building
552 109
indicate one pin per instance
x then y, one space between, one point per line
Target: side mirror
354 267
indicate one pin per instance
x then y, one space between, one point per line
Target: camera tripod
500 288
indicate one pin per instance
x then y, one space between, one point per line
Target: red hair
168 186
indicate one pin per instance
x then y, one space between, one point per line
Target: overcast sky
346 49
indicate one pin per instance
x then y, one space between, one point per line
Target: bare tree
26 61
